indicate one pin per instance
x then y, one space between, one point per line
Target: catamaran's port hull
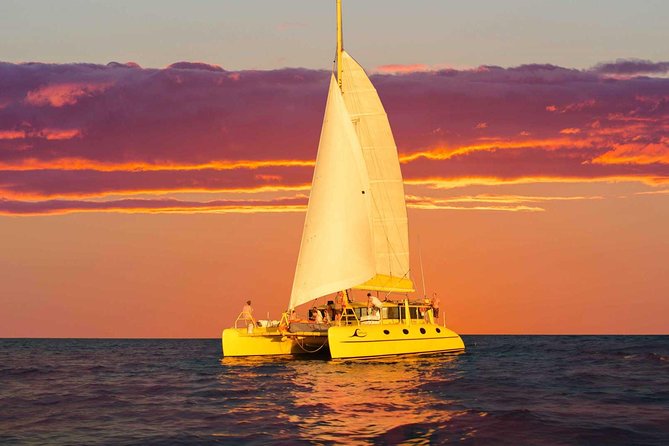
365 341
238 342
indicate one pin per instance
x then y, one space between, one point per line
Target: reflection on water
355 400
540 390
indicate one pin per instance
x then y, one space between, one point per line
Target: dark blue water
515 390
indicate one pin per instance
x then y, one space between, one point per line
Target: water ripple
544 390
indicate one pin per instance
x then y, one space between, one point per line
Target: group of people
334 310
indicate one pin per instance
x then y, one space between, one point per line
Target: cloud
83 130
488 202
632 67
399 68
35 184
59 207
195 66
295 203
12 134
60 95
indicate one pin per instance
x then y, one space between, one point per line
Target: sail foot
389 284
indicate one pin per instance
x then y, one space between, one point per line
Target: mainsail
337 250
389 215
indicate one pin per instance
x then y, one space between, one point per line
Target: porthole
405 331
386 332
422 330
438 330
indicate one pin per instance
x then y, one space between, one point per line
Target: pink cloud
59 95
399 68
197 127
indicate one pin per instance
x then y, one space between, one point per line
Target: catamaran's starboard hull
238 342
366 341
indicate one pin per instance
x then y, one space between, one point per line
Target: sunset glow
153 201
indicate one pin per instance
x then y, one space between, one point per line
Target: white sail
389 215
337 248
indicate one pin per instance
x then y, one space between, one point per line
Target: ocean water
513 390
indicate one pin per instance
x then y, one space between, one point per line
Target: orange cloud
26 164
11 134
453 183
637 153
296 203
51 134
446 152
429 203
59 207
59 95
60 134
576 106
487 202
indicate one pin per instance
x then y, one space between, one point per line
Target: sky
155 159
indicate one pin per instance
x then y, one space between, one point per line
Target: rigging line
405 274
422 274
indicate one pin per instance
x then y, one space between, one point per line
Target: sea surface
505 390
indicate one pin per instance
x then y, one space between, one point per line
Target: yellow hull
365 341
268 342
352 341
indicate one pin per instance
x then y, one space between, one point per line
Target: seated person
317 316
373 302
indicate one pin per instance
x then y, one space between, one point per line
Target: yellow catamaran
355 238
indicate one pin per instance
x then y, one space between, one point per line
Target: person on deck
424 308
435 305
247 312
373 303
338 306
318 317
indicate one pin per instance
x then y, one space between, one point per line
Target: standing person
247 313
435 305
338 306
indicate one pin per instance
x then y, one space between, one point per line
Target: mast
340 45
422 274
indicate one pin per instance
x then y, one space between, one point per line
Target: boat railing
349 316
246 318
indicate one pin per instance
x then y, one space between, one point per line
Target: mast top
340 45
